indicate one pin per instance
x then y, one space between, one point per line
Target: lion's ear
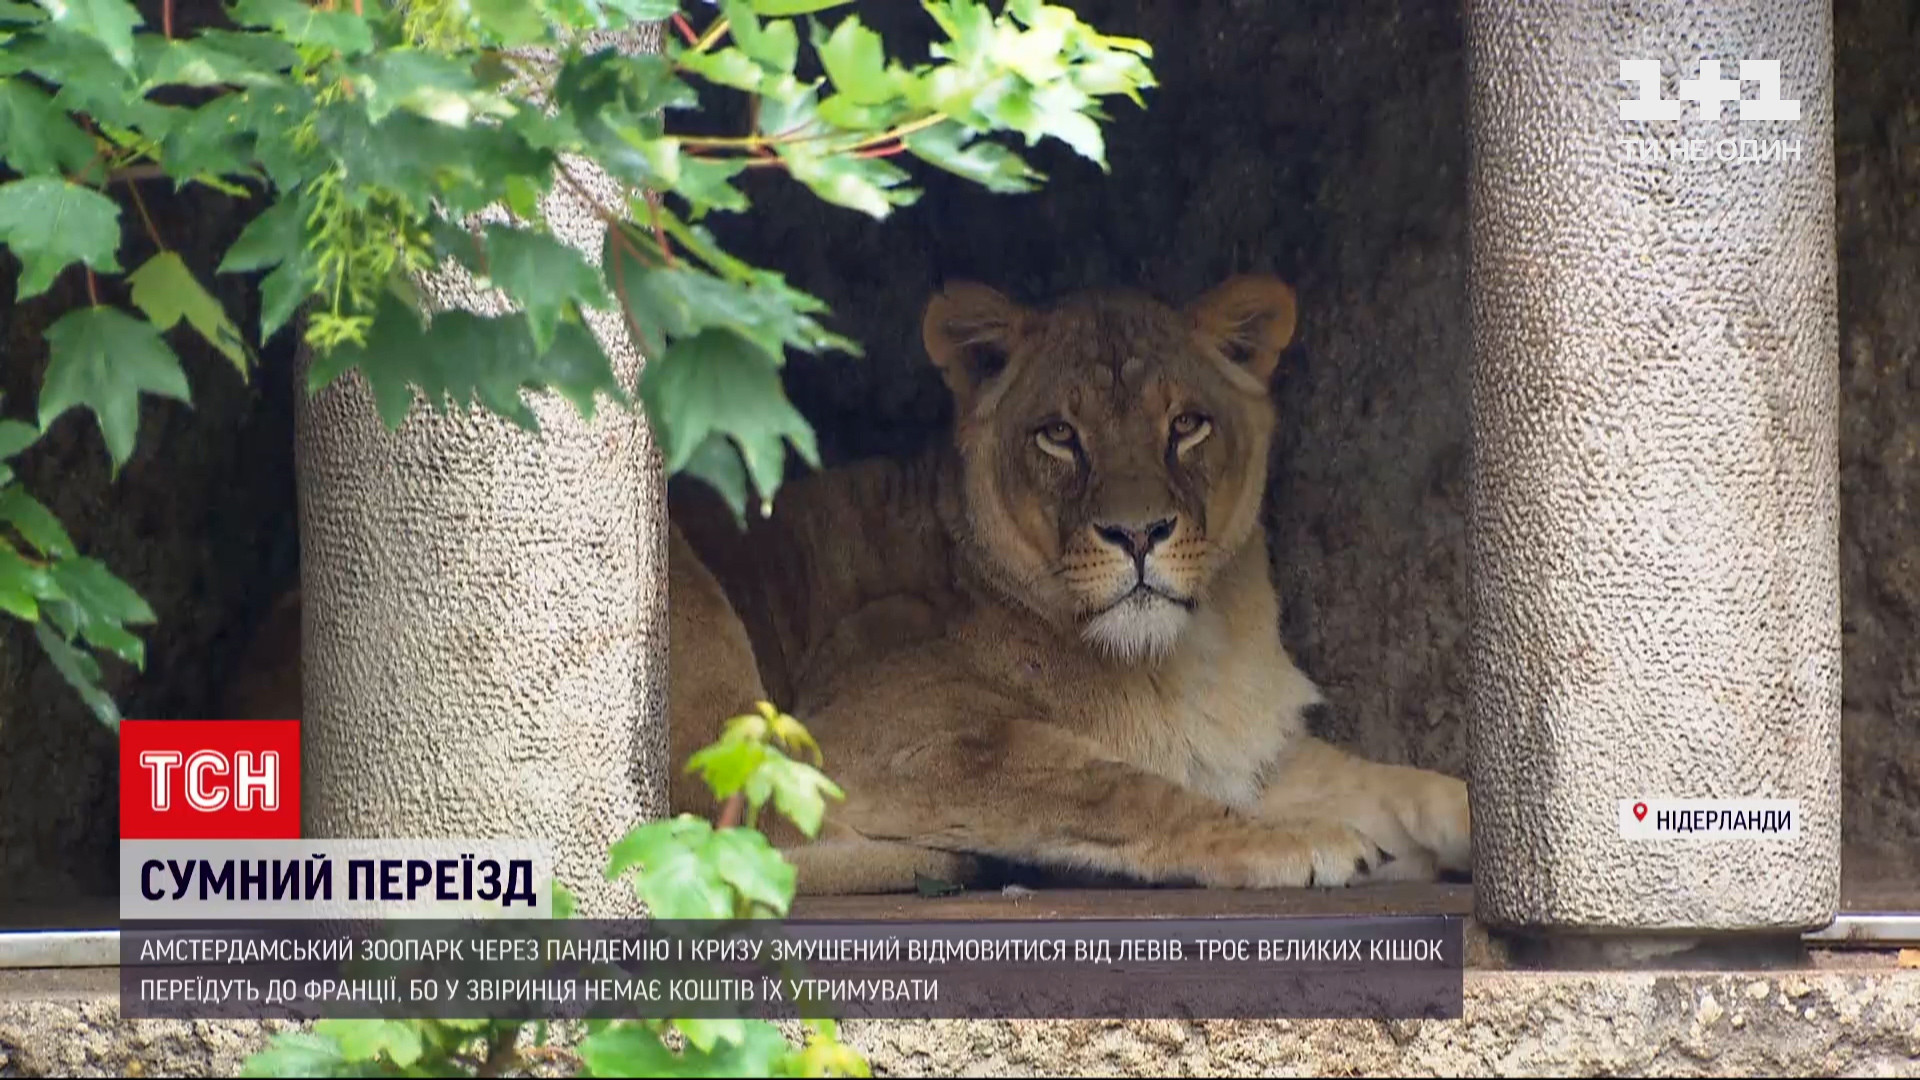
1249 318
969 332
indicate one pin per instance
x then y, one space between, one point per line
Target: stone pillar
1654 522
485 639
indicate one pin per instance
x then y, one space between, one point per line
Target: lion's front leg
1418 816
1029 793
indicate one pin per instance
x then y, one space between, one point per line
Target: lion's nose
1136 540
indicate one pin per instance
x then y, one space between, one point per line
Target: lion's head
1114 449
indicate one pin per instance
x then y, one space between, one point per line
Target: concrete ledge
1853 1014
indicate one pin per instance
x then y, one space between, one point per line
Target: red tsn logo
210 780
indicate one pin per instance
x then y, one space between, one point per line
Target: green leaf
577 368
437 87
679 884
303 24
680 301
543 276
857 63
703 183
717 463
110 22
629 1050
50 223
981 161
81 673
724 67
276 235
511 23
34 522
37 137
298 1053
718 382
464 359
194 62
703 1035
98 595
16 14
167 291
645 10
281 294
869 185
16 436
646 844
369 1040
564 905
105 359
774 46
795 7
746 860
800 792
23 585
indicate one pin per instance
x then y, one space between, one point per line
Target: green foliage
683 868
364 131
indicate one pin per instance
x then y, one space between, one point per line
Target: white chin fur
1141 627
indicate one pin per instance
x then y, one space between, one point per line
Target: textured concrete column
1654 504
484 635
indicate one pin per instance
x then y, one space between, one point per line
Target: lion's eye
1059 433
1187 425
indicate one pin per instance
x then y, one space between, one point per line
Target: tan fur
1053 640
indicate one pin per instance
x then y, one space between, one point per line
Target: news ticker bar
1298 967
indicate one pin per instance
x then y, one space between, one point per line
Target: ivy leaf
167 291
34 522
81 672
720 382
110 22
302 24
856 62
982 161
104 359
50 223
35 135
543 276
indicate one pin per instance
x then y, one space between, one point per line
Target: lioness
1053 640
